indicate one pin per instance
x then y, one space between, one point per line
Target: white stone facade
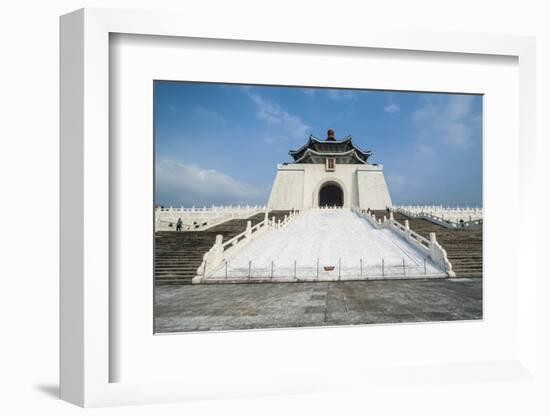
297 186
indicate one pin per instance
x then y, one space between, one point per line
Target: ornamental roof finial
330 135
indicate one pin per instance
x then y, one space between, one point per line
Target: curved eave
312 138
344 140
364 152
351 152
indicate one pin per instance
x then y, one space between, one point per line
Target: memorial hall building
329 173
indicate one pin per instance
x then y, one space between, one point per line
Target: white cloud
340 94
392 108
426 113
276 116
425 151
310 92
396 181
179 184
209 114
458 135
449 119
459 106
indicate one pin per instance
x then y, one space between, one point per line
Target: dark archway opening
331 195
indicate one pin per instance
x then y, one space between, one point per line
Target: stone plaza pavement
279 305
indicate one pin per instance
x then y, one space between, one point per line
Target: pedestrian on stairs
179 224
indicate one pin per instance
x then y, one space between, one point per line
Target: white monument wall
316 176
297 186
287 192
373 190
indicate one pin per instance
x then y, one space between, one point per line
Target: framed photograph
245 242
227 198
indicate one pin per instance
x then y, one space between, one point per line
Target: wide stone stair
179 254
464 247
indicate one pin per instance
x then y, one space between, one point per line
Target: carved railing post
439 256
248 229
218 250
433 241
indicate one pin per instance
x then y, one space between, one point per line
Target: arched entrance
331 195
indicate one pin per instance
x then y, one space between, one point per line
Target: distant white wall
287 192
199 219
297 186
373 190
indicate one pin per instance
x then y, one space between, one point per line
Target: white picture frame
85 182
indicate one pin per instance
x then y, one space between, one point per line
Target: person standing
179 224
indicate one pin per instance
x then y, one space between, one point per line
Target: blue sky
220 143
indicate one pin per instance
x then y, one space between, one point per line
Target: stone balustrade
222 251
430 247
200 219
458 217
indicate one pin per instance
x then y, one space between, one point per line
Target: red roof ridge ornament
330 135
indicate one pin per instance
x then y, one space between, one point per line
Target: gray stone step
179 254
464 247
